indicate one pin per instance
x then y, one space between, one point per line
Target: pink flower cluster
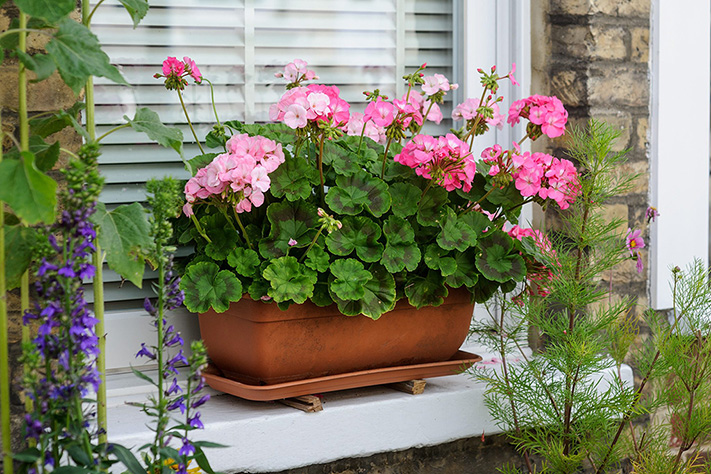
546 112
355 125
314 103
446 160
467 110
296 71
240 176
546 176
175 71
435 84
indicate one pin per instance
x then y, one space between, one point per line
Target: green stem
424 191
212 97
478 117
69 152
303 257
100 329
4 356
92 132
424 118
244 231
320 168
162 413
86 19
199 228
360 142
187 117
385 157
23 30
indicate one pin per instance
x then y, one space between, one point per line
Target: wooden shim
306 403
413 387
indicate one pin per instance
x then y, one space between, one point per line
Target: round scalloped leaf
484 290
258 289
455 233
343 161
289 220
431 205
244 261
223 238
352 193
321 296
206 286
405 197
294 179
290 280
436 259
360 234
465 273
379 296
426 291
317 259
350 278
496 261
400 256
398 231
476 221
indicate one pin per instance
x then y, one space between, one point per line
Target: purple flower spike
144 352
174 388
201 401
187 449
195 421
178 403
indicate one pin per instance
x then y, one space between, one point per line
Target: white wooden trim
679 140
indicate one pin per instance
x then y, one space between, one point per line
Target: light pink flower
380 112
634 241
511 75
295 116
292 242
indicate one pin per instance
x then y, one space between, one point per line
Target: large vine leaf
294 179
30 193
349 280
405 197
47 125
78 55
41 64
136 8
436 258
46 155
497 262
360 234
379 296
455 233
50 10
290 280
244 261
206 286
465 273
289 220
148 122
425 291
352 193
317 259
123 232
223 238
430 205
19 245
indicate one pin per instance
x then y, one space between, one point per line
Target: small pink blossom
192 69
634 241
651 214
510 75
380 112
639 264
292 242
295 116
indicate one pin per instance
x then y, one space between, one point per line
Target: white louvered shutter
357 45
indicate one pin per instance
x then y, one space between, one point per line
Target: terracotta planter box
257 343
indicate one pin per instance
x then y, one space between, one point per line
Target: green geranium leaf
278 132
436 260
356 191
136 8
123 232
405 197
215 139
41 64
476 221
430 205
360 234
30 193
321 296
350 278
19 246
258 289
201 161
50 10
455 234
148 122
294 179
317 259
425 291
206 286
289 220
244 261
497 262
343 161
398 231
400 256
45 126
223 237
78 55
484 290
378 298
466 273
290 280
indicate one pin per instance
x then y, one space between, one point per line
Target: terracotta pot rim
262 312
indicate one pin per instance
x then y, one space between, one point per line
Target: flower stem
185 111
4 357
320 168
161 402
212 97
362 132
91 133
244 231
303 257
385 157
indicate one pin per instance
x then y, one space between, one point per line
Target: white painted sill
270 437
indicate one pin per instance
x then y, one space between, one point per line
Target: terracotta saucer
459 362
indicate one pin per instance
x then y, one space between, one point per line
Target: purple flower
67 271
187 449
178 403
195 421
201 401
179 357
174 388
651 214
150 309
144 352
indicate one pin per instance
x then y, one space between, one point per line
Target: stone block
641 170
622 122
618 87
642 134
639 45
597 42
620 212
50 94
625 8
569 88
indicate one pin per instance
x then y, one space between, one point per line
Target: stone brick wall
49 95
594 55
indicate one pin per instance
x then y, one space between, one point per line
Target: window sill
268 436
